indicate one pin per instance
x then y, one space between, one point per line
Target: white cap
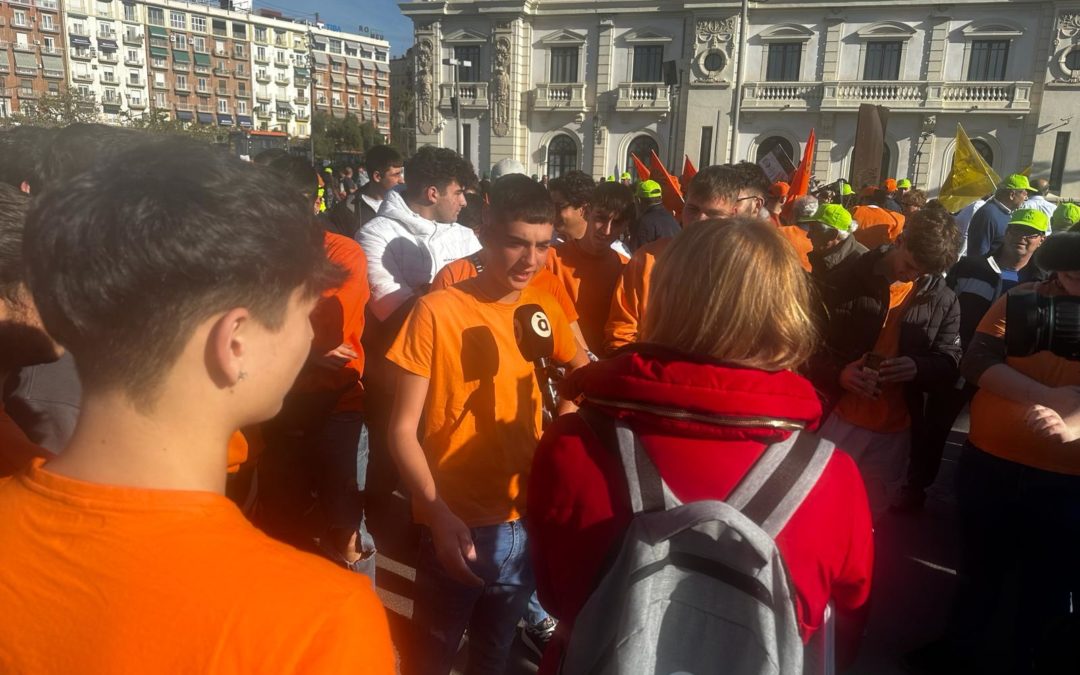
505 167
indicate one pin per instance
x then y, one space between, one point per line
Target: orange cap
779 189
868 191
890 185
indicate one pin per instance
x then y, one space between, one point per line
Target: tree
56 109
158 121
342 134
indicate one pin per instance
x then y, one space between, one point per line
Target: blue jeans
444 608
1015 519
341 478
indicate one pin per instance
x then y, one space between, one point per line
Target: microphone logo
540 324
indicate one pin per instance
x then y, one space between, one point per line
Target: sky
382 16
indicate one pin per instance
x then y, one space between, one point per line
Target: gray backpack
698 588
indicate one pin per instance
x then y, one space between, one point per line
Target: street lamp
455 100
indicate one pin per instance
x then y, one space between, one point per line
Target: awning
158 31
107 45
301 72
185 115
51 62
382 67
354 63
202 59
181 57
206 118
244 120
355 46
368 82
321 58
337 58
24 60
354 81
80 41
225 120
159 52
315 44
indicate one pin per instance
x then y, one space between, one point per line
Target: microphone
532 330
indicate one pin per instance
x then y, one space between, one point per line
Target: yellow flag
971 177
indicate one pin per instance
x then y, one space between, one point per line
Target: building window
203 85
131 12
47 21
198 24
177 21
198 43
160 100
180 41
222 105
241 107
784 61
222 88
239 30
705 153
984 150
382 105
239 51
882 61
649 63
470 53
988 60
260 34
642 147
335 46
562 156
155 16
20 18
564 64
1057 168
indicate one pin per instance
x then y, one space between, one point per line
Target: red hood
659 378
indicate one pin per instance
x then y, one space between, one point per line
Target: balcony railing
79 30
136 61
897 95
222 72
24 47
133 38
136 104
282 80
643 96
263 97
301 100
27 93
262 77
470 94
108 57
570 96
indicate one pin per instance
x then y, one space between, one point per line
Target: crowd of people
650 441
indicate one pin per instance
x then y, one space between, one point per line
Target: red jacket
577 501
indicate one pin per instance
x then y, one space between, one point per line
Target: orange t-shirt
461 269
338 319
16 450
101 579
590 281
877 226
799 240
631 296
888 413
482 416
997 423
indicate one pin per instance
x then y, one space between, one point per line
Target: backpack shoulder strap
648 491
779 481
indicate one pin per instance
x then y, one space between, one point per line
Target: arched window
643 147
983 148
561 155
773 142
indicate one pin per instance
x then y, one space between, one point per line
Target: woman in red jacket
727 326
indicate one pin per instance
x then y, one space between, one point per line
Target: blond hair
732 289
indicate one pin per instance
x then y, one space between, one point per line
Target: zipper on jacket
715 420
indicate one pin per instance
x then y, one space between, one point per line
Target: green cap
610 179
649 189
846 189
1033 218
903 183
831 215
625 175
1065 216
1017 181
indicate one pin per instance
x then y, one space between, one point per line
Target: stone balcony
569 96
1007 97
643 97
472 94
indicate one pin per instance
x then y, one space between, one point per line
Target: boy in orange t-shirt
185 306
467 418
588 267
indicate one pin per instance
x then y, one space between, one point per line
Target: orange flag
673 198
643 172
688 171
800 181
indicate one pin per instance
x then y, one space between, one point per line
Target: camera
1035 323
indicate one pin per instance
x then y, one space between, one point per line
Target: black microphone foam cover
533 332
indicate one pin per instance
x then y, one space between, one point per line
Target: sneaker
537 636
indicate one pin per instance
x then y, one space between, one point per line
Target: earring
242 375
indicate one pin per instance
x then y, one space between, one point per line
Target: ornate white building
562 84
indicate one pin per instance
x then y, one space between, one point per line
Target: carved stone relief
1066 41
425 88
712 49
500 87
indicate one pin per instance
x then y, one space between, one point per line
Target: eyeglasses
743 199
1024 232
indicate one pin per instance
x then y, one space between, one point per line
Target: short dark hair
20 151
435 166
726 181
13 206
381 158
913 197
615 200
518 197
575 186
933 239
297 173
126 259
79 147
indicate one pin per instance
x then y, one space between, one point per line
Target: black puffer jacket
856 300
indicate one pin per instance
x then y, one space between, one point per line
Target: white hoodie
405 250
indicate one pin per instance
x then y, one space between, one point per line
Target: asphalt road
915 574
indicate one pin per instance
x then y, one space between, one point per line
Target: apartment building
106 56
282 75
351 75
31 52
566 84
